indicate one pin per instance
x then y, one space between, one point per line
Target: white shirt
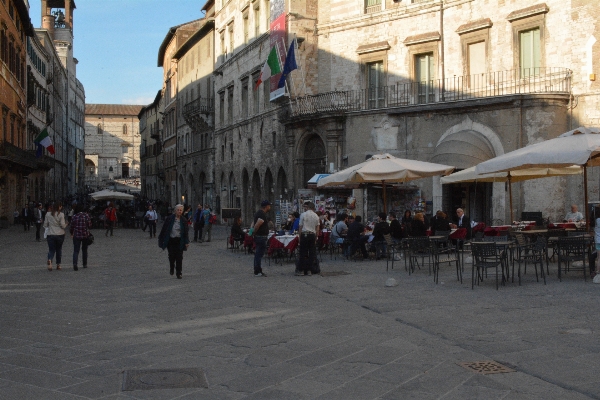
309 221
151 214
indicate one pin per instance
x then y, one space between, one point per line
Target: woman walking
56 224
80 230
174 237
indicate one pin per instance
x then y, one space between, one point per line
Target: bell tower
57 14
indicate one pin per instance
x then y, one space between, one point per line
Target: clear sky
116 43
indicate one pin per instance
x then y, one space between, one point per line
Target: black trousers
308 252
175 255
152 226
198 231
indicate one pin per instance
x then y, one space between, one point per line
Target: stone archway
314 158
256 189
281 191
246 204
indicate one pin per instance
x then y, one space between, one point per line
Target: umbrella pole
384 198
510 196
585 191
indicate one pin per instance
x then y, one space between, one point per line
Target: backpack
212 219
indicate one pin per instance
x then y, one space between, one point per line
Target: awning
315 178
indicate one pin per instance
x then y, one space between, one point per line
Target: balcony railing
202 105
502 83
24 158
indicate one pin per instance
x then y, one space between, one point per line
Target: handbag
45 233
90 239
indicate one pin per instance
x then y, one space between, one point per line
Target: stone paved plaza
75 335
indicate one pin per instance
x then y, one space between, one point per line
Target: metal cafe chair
486 255
569 249
418 248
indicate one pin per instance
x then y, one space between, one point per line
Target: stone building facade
152 186
39 90
453 82
112 144
16 162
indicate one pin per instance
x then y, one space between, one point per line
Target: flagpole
300 68
290 75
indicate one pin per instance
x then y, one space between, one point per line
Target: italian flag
44 140
270 68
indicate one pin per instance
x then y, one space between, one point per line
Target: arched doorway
246 208
269 191
232 191
190 190
181 198
256 192
464 149
282 185
314 158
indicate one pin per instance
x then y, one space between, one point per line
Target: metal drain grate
164 379
486 367
334 273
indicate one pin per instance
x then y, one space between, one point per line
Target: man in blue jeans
260 232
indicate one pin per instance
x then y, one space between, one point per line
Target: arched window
99 129
124 129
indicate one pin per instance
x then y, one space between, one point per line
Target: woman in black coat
174 237
418 226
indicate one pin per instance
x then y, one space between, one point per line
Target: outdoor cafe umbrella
580 146
110 195
470 175
384 168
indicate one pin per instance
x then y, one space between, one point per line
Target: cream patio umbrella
470 175
110 195
385 168
580 146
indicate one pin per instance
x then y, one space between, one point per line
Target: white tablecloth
285 239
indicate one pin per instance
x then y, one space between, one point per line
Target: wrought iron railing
502 83
202 105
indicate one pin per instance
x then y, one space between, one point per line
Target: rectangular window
250 147
222 108
231 39
372 6
246 29
230 105
530 53
245 98
255 93
223 50
376 85
256 21
267 15
476 64
231 150
424 74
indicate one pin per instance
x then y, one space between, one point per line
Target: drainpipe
443 76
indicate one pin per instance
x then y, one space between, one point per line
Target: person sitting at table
325 221
340 229
418 226
237 233
289 223
440 223
406 223
357 238
395 228
296 221
381 228
462 221
574 215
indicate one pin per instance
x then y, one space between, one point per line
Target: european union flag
290 64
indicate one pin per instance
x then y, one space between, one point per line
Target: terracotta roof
112 109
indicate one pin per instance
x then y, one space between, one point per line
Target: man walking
308 229
206 215
151 217
198 223
260 232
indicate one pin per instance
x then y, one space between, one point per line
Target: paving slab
71 334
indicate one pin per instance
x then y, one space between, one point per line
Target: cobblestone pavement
72 335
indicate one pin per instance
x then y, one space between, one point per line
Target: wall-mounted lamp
285 190
224 188
272 190
234 187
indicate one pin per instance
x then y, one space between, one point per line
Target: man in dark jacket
381 228
395 228
357 238
174 237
